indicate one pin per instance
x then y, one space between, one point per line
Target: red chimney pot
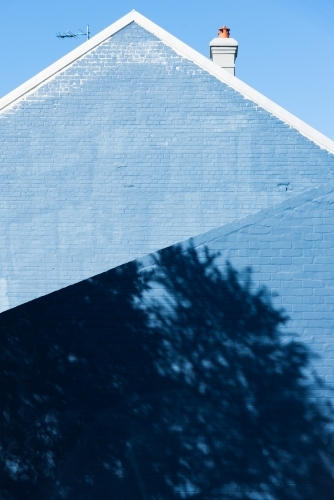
224 32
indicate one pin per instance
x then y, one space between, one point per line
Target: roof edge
185 51
65 61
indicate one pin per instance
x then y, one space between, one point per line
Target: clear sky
285 46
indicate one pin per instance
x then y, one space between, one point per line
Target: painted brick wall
290 250
128 150
102 376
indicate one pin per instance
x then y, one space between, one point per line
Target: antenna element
69 34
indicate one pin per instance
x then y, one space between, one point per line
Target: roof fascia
241 87
65 61
185 51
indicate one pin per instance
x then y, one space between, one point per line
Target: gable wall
130 149
95 362
289 250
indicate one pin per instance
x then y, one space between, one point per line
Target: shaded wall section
128 150
290 249
168 378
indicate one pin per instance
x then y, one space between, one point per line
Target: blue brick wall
201 391
290 250
128 150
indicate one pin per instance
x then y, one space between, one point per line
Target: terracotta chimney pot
224 32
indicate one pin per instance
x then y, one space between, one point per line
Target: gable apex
185 51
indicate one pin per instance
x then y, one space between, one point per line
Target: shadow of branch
172 383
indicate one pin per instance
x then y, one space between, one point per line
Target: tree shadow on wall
163 384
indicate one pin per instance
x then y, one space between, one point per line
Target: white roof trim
182 49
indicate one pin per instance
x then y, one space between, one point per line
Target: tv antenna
69 34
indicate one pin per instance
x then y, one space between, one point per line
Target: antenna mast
69 34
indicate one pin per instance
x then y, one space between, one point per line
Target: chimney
224 50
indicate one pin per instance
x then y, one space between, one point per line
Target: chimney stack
224 50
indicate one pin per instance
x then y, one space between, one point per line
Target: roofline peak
182 49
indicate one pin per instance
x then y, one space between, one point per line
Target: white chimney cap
224 50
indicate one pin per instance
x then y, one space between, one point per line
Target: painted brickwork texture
290 251
134 400
130 149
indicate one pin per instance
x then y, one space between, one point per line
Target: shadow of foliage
169 383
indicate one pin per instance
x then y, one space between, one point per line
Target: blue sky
285 46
